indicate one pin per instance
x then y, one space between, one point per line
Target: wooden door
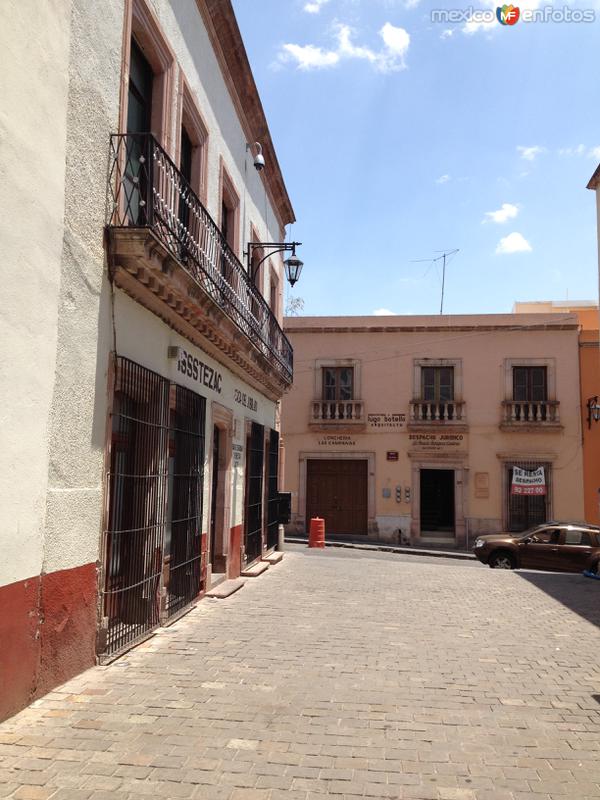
337 491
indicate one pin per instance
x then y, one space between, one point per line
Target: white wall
187 35
78 413
55 319
143 338
33 122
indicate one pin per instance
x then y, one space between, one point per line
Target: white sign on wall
528 482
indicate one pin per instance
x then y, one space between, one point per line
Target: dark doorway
437 502
336 490
253 517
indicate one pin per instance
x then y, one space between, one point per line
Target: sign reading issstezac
528 482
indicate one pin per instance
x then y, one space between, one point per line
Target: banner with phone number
528 482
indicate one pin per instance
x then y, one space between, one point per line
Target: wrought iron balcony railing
146 190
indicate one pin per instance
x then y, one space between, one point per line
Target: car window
578 537
546 536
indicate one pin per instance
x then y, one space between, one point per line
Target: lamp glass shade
293 268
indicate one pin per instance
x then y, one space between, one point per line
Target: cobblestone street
337 675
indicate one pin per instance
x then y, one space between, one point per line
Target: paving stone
336 676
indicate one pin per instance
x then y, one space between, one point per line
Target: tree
294 306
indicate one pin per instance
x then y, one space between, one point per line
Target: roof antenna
444 255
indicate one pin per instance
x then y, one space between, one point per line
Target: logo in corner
508 15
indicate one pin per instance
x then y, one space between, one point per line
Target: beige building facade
414 429
144 357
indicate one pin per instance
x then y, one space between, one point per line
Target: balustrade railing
147 190
525 412
343 411
426 411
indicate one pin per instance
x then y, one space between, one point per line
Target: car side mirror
528 540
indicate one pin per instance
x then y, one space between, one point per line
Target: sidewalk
362 543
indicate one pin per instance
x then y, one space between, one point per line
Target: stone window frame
321 363
142 24
190 117
549 363
455 363
229 196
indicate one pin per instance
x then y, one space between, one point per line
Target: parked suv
562 546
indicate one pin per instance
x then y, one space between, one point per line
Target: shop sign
337 440
199 371
436 441
388 421
237 454
392 455
245 400
528 482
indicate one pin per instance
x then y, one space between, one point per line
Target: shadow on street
574 591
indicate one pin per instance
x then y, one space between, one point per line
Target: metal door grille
254 494
186 479
272 489
133 540
525 511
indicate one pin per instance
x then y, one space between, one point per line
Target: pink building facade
409 429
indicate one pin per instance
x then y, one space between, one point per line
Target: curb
386 548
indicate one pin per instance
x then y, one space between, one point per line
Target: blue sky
399 137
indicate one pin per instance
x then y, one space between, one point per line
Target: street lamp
593 408
292 265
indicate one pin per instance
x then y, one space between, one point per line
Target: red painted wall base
47 631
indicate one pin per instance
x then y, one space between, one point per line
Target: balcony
522 415
343 414
425 414
166 251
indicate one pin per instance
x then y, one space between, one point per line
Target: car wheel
502 560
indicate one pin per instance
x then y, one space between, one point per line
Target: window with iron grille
155 503
437 384
338 384
525 511
272 490
186 479
253 521
134 539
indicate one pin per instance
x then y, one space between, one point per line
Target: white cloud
531 153
513 243
308 56
580 150
390 58
314 6
443 179
383 312
446 34
503 214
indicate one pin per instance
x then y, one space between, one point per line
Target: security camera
259 161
